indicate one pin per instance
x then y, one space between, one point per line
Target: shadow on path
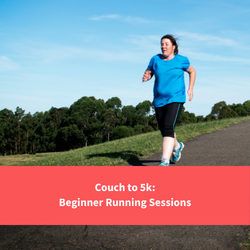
129 156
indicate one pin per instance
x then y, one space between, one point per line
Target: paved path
226 147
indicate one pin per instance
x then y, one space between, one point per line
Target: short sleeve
185 63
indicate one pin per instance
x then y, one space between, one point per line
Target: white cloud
149 42
98 18
143 47
127 19
151 45
7 64
47 53
201 56
130 19
210 39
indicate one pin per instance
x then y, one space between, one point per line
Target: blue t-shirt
169 84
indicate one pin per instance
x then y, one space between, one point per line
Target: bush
121 132
147 129
138 129
200 118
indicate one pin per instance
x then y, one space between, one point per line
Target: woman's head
169 45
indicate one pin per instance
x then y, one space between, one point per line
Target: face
167 47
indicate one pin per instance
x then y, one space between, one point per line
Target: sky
53 52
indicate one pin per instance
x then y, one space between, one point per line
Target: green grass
118 152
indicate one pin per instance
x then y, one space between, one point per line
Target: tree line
90 121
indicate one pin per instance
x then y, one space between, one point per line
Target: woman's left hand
192 75
190 93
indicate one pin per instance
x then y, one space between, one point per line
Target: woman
169 94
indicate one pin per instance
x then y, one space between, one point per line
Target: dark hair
173 41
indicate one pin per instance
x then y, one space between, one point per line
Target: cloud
213 48
210 39
7 64
47 53
150 44
98 18
127 19
146 43
201 56
130 19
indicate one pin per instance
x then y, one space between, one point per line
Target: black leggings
167 117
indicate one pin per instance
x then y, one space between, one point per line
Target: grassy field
118 152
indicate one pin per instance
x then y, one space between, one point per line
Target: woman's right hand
147 75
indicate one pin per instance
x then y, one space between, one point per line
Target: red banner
125 195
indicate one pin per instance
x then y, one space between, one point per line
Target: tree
142 112
81 113
110 120
114 103
138 129
35 138
186 117
200 118
19 113
69 138
7 131
209 118
216 109
29 127
239 109
246 106
227 112
128 115
112 115
144 107
94 131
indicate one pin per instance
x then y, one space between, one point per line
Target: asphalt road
228 147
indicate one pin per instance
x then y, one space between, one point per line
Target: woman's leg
167 117
178 146
167 147
176 143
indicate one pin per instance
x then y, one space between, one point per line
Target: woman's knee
167 131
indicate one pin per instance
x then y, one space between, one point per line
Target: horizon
105 102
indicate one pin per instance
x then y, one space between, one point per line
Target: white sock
177 147
165 160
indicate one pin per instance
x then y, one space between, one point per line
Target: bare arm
192 75
147 75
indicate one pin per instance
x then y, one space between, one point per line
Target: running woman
169 94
